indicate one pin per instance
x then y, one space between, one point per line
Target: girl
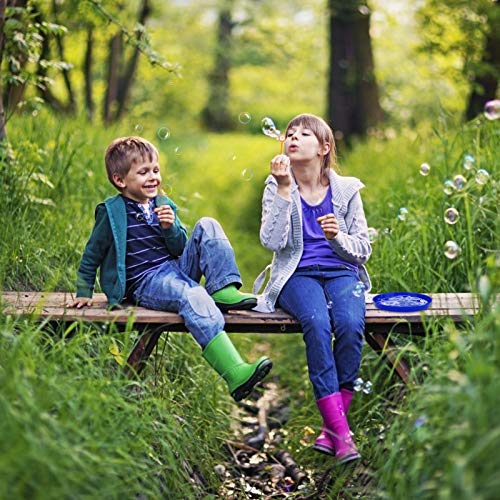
313 221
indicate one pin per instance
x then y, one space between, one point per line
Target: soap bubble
138 128
482 176
244 118
403 212
459 181
247 174
166 189
178 151
420 421
451 249
448 187
469 162
361 386
358 289
358 384
492 109
269 128
163 133
372 234
451 215
367 387
329 304
425 169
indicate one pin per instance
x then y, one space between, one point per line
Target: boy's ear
118 181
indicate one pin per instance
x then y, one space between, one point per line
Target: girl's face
141 182
301 145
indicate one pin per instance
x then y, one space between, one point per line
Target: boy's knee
209 225
202 304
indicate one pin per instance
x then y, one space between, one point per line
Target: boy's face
141 182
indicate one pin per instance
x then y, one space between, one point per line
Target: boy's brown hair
323 133
124 152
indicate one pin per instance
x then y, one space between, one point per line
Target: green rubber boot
241 377
230 297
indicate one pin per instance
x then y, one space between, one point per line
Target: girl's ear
118 181
324 149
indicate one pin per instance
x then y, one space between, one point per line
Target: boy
144 255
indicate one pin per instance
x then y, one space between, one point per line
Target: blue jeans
175 287
323 301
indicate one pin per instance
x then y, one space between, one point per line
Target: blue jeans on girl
175 285
326 300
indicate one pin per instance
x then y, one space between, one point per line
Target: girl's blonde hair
323 133
124 152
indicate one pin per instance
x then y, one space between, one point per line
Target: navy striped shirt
146 249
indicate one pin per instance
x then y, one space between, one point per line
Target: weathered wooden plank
53 306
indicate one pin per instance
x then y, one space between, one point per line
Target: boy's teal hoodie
107 245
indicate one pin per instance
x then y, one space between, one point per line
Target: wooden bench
51 307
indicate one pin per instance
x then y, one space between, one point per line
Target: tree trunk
215 115
353 99
125 82
14 93
87 74
71 105
485 82
3 130
114 64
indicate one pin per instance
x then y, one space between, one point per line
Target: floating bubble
269 128
492 109
482 176
163 133
451 215
448 187
420 421
166 189
247 174
451 249
459 181
372 234
178 151
329 304
244 118
469 162
361 386
358 384
138 128
233 156
403 212
358 289
367 387
425 169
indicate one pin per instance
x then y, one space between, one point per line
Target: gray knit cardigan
281 232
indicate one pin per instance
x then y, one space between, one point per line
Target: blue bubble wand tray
402 301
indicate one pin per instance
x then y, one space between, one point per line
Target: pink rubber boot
324 443
332 410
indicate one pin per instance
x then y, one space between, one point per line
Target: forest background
404 85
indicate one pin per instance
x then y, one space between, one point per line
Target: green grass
74 426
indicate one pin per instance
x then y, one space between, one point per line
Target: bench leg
382 345
142 350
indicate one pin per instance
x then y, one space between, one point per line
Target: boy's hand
165 215
329 226
80 302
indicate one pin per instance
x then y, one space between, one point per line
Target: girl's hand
80 302
165 215
329 226
280 169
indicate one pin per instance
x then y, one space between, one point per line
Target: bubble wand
269 129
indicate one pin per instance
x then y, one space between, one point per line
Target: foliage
62 389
